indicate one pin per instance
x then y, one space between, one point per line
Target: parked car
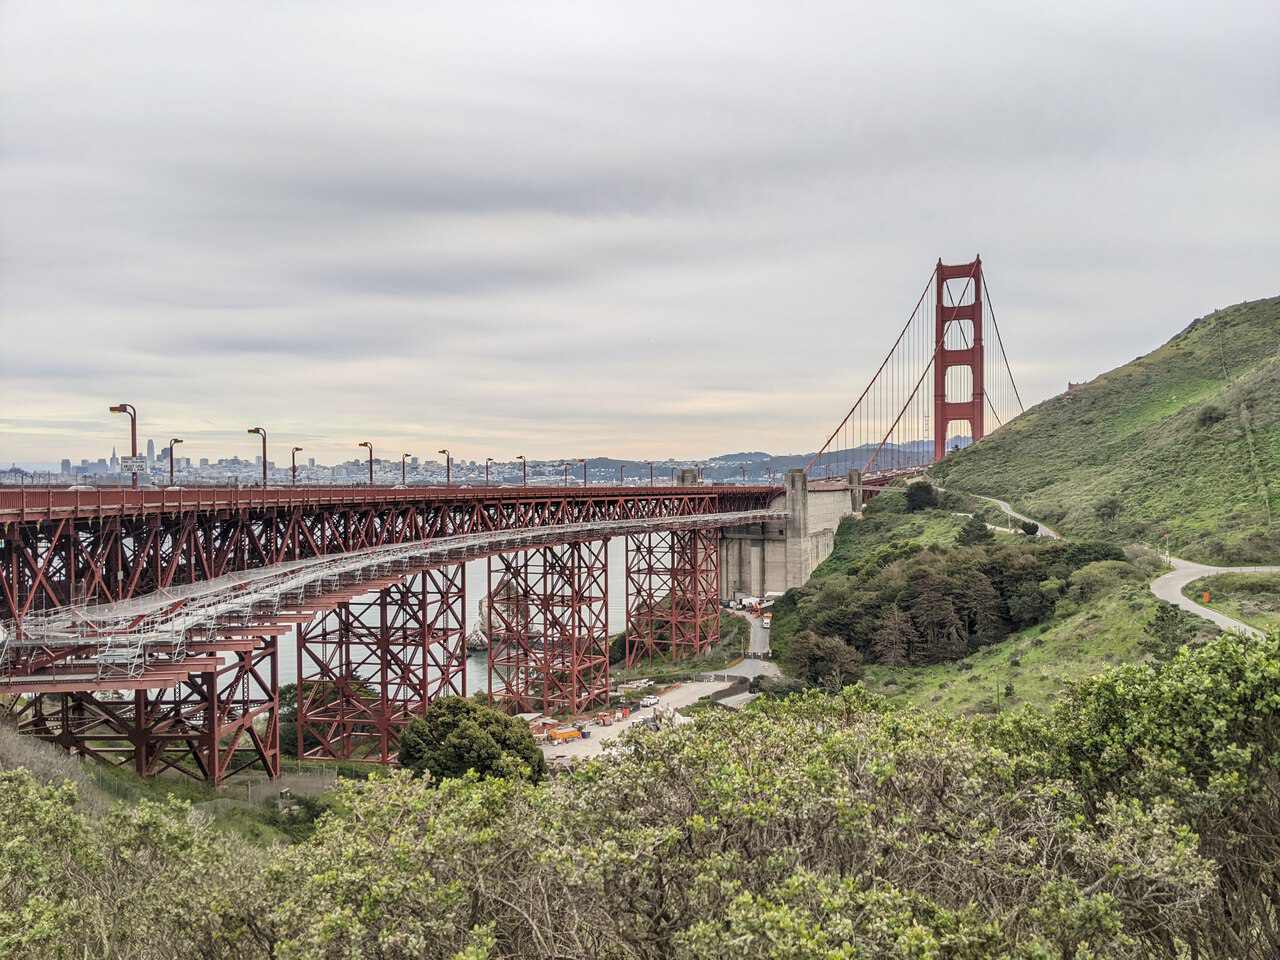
649 701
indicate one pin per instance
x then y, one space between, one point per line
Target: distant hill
1183 442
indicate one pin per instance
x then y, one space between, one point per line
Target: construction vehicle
564 735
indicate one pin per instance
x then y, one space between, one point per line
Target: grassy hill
1183 442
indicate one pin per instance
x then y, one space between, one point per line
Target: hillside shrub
1137 819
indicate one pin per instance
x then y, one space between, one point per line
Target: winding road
1169 587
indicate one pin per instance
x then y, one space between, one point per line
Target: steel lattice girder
59 547
695 592
673 594
210 726
371 664
548 628
649 558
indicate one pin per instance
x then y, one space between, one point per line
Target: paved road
1044 531
681 695
757 643
1169 588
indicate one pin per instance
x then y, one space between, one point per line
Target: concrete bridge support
774 557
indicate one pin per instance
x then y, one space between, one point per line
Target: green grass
1186 439
1251 597
1038 662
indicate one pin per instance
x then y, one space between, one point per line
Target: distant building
151 453
311 461
204 461
115 461
66 466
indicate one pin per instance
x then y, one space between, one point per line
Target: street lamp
524 471
448 465
293 464
366 443
566 472
582 460
133 432
744 474
619 474
487 461
403 458
172 442
650 463
263 434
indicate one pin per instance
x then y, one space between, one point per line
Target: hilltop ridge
1181 443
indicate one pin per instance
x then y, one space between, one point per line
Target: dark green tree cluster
941 604
456 737
1137 820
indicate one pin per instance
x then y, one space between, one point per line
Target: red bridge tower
945 410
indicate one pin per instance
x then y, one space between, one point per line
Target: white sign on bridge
133 464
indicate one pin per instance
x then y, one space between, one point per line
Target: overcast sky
561 229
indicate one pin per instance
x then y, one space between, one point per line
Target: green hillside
1183 442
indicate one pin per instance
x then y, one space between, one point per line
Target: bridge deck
56 503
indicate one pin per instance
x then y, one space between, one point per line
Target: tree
895 639
455 736
1029 527
1107 509
825 661
1167 631
921 496
974 532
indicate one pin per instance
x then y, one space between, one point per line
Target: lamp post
650 463
566 472
744 474
293 464
172 442
524 471
448 466
487 461
263 434
619 474
133 432
366 443
403 458
583 461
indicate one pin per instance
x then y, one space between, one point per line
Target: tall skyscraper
66 466
115 461
151 453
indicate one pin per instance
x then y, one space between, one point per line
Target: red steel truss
209 726
673 602
62 546
549 630
946 412
649 558
369 665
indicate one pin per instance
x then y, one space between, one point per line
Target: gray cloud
642 229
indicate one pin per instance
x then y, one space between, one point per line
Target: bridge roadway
110 641
61 547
